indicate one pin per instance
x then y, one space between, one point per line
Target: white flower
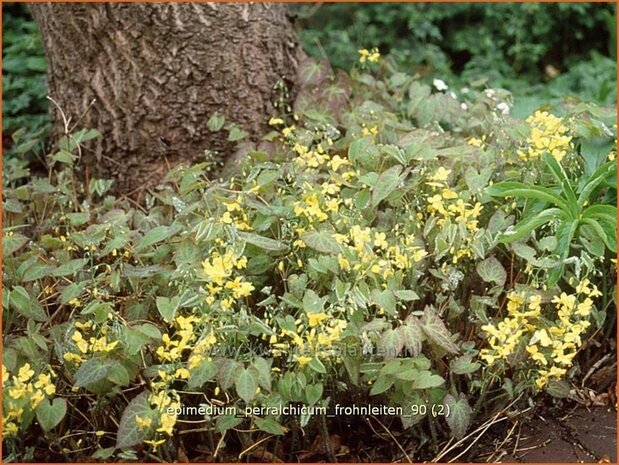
440 84
464 106
453 95
503 107
489 93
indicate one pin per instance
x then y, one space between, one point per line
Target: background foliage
545 51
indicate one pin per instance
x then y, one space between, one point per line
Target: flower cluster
551 346
23 393
218 270
89 345
369 55
235 214
163 402
368 251
313 335
548 134
449 207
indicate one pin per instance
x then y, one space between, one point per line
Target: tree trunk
157 72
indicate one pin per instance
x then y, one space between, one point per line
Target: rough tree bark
157 72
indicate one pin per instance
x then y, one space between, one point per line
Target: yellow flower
287 130
542 336
155 443
9 429
418 254
548 134
5 374
166 424
25 373
336 162
316 318
584 308
36 398
536 354
303 360
239 288
566 301
371 56
275 121
143 423
475 142
226 218
45 382
71 357
440 175
380 240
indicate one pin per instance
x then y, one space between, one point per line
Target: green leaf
78 219
246 385
525 227
62 156
49 414
600 175
605 212
36 271
313 393
70 268
321 241
11 244
491 270
129 433
387 182
228 372
316 365
406 295
270 425
72 291
464 365
22 302
226 422
92 371
412 337
235 133
427 380
459 415
312 72
363 151
263 369
382 384
85 134
385 300
155 235
103 454
390 344
557 171
436 331
607 235
215 122
262 242
518 189
119 375
558 388
205 371
167 307
312 302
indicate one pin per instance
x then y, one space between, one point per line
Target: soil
581 435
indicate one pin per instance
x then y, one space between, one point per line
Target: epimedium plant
340 265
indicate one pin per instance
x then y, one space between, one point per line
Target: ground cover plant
388 243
